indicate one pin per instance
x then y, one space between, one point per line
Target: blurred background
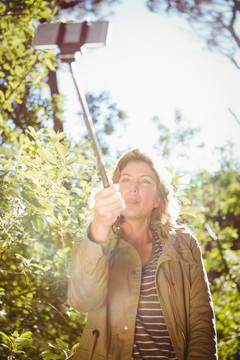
167 82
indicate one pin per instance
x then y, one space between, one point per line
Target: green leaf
37 223
61 135
170 170
30 162
31 198
185 200
15 334
52 132
61 196
2 8
31 131
2 96
62 150
47 156
26 335
43 84
6 338
61 344
8 166
51 356
6 151
74 347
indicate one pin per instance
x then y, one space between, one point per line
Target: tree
216 209
22 71
45 184
211 209
77 10
216 21
27 75
45 181
176 140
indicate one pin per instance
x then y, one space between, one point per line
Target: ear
157 203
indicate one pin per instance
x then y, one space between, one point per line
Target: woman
141 280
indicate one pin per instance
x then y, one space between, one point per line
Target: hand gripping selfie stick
69 38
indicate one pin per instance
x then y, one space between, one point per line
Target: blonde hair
169 207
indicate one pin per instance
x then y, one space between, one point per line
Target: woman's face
137 185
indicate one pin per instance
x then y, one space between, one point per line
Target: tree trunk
52 81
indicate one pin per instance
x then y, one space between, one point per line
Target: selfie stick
69 38
89 124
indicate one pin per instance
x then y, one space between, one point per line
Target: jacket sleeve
87 288
202 337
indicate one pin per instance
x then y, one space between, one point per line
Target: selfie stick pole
89 124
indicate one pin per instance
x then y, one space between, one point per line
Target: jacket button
133 272
125 327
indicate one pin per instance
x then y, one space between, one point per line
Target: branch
54 307
231 58
219 246
234 62
234 115
65 279
52 82
230 26
13 90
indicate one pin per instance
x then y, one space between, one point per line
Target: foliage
216 209
44 185
216 21
178 139
22 71
26 75
84 7
211 209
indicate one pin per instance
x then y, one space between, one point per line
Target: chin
130 212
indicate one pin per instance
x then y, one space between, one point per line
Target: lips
132 201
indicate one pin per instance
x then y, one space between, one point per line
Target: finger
109 209
108 198
115 204
106 192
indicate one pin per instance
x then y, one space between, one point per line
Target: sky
153 65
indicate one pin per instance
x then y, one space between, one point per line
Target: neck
136 232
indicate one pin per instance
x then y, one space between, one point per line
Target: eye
124 180
146 182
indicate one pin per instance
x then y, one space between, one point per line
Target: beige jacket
105 282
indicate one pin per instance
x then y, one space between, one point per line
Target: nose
134 187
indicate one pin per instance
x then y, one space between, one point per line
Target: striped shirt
152 340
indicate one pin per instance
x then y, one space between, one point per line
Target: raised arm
88 282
